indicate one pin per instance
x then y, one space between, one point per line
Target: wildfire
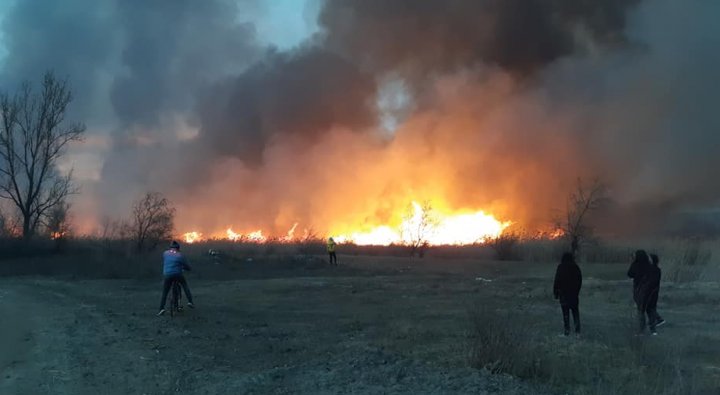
57 235
256 237
421 224
191 237
290 236
232 236
432 228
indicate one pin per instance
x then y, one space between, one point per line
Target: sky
283 24
256 112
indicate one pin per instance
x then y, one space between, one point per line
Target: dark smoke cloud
172 49
300 95
148 58
429 36
75 38
519 97
136 69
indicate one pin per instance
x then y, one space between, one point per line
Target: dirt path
16 339
33 358
283 336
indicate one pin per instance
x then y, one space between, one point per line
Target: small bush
505 246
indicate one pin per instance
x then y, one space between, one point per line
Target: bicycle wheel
174 303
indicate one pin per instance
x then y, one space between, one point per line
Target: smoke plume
493 105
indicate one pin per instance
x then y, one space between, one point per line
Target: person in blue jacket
173 265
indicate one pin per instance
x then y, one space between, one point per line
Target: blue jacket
174 263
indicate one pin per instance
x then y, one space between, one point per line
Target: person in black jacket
654 276
568 281
641 271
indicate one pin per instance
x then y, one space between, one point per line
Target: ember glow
421 223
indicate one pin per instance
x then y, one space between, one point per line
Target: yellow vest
331 246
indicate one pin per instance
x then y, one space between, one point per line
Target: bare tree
58 221
574 222
33 137
418 225
57 224
152 220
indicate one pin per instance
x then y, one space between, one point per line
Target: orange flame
256 237
433 228
232 236
422 224
191 237
57 235
290 236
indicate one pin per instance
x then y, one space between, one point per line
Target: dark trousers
651 318
333 257
167 282
652 307
647 306
567 307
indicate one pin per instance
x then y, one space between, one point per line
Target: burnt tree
574 221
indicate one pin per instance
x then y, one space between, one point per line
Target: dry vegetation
456 321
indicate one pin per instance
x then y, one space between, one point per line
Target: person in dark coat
654 276
568 281
643 277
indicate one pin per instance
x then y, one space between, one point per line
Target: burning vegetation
421 224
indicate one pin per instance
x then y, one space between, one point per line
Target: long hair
567 258
641 257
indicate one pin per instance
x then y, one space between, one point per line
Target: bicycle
175 298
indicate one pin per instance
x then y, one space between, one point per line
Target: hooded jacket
568 281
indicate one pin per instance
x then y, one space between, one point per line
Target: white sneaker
191 305
660 322
161 312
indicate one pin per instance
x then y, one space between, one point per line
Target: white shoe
161 312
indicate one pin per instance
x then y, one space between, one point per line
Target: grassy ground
279 324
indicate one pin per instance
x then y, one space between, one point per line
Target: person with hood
331 251
643 277
654 276
568 281
173 265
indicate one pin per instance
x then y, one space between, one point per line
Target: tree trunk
27 228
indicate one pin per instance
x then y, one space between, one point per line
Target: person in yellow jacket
331 251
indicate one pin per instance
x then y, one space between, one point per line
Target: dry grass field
273 322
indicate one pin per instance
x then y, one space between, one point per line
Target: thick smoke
427 36
298 95
506 104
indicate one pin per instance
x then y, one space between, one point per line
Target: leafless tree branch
152 220
33 137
